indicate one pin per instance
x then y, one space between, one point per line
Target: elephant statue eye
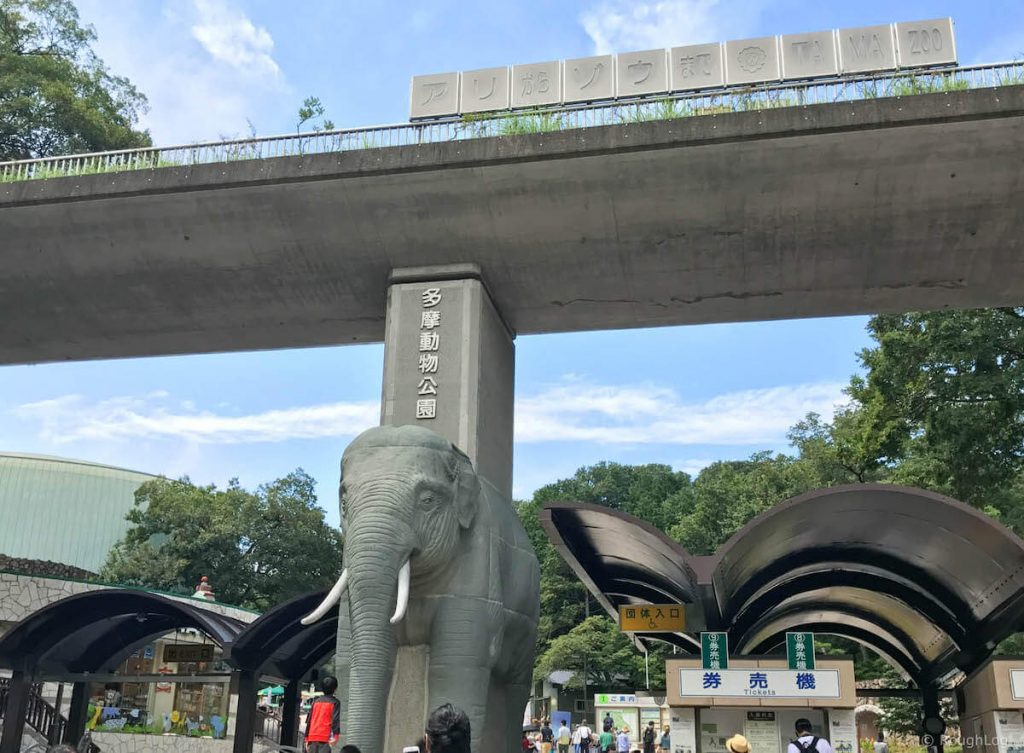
429 500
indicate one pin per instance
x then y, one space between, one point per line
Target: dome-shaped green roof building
62 510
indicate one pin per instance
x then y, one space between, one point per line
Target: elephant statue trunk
373 652
377 578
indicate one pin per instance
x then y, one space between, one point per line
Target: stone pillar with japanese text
449 366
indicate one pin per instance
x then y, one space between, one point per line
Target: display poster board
649 714
1010 731
713 736
761 729
683 730
624 718
842 725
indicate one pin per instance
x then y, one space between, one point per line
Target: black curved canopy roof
278 644
93 632
928 582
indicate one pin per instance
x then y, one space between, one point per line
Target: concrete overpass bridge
841 207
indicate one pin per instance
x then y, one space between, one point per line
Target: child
323 724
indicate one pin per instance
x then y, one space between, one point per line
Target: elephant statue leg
517 695
461 660
517 666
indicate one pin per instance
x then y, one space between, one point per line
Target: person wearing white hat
737 744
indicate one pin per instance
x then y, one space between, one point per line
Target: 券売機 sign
759 683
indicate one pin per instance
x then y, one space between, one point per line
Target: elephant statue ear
467 488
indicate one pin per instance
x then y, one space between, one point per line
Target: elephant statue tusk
329 601
403 594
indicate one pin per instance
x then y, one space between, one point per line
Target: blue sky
683 396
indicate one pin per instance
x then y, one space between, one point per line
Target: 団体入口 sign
714 650
652 618
759 683
800 650
182 652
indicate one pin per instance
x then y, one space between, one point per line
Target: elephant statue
433 563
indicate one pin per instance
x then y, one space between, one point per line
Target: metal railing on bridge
660 107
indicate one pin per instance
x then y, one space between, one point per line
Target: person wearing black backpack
806 741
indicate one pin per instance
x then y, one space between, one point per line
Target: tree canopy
258 548
56 95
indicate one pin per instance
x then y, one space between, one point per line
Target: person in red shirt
323 724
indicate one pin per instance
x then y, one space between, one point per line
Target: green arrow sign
800 650
714 650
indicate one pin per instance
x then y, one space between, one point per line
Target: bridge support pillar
449 366
14 715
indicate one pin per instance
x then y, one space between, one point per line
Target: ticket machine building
925 581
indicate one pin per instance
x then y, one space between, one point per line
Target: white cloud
229 36
656 415
206 68
572 411
71 418
621 25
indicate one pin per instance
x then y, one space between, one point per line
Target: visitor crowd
582 739
448 731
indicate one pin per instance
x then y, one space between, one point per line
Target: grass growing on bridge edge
491 124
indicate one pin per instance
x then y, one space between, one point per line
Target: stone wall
118 742
21 595
114 742
43 568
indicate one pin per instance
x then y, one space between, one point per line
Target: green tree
258 548
56 95
649 492
563 599
948 386
606 655
902 716
847 450
727 494
644 491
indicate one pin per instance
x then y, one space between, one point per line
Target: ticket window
767 730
